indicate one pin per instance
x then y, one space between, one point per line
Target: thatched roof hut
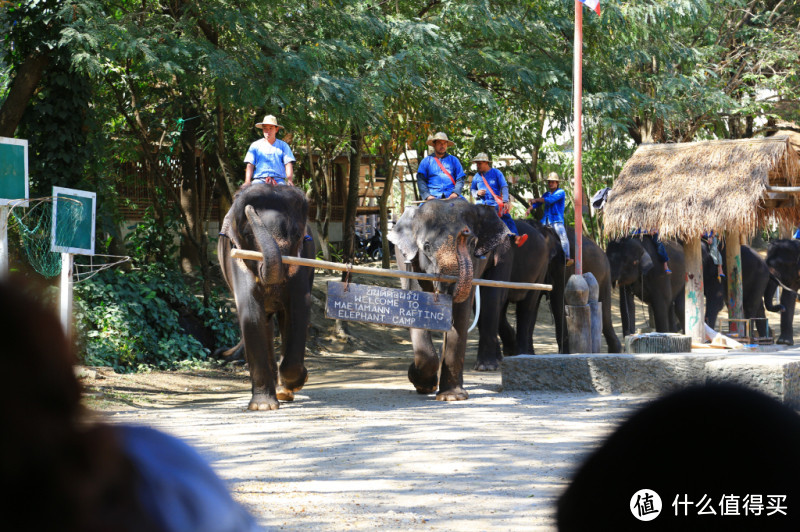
685 189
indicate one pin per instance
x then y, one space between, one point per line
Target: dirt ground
359 449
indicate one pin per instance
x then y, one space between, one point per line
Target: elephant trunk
463 266
271 269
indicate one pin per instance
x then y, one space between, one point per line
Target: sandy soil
359 449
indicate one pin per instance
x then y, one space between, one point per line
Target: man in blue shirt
553 201
269 160
440 176
489 187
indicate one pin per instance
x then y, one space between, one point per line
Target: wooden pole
695 298
66 293
733 257
577 89
313 263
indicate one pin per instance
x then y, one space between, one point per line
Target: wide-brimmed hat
481 158
439 136
552 176
269 120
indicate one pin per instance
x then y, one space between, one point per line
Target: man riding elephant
269 217
452 237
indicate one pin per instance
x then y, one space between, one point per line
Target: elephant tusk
477 308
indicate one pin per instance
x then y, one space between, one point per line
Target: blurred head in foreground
717 448
61 471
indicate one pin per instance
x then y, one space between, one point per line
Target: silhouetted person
62 472
719 448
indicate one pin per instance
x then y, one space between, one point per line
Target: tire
377 254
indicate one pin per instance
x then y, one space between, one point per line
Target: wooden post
695 299
66 293
578 315
733 257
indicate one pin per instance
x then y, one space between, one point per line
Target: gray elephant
636 269
758 288
451 237
783 261
270 219
542 260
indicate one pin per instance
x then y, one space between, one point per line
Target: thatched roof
685 189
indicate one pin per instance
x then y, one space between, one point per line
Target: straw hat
269 120
552 176
481 157
439 136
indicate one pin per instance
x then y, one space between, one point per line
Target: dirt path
359 449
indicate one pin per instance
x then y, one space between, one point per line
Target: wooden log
658 343
733 258
695 299
578 314
247 254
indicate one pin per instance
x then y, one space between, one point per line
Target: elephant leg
424 371
527 311
680 310
451 380
507 333
489 355
612 340
257 334
627 310
557 308
293 373
788 300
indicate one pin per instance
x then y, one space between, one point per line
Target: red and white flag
594 4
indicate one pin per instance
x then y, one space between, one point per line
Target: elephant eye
426 247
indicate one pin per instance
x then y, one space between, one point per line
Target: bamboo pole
313 263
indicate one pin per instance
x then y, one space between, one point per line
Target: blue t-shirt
554 206
496 181
432 181
177 488
270 160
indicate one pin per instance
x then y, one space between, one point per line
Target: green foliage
131 320
153 241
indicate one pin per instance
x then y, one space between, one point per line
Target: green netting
34 224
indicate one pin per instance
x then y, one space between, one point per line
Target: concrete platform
776 373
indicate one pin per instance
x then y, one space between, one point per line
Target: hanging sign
389 306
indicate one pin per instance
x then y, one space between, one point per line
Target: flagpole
577 84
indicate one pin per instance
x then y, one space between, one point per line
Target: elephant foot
455 394
425 384
490 365
284 394
784 341
263 402
294 385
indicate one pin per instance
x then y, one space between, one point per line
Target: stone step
775 373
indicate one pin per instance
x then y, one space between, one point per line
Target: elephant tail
271 269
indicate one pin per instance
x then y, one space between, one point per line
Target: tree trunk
190 195
351 207
27 78
383 206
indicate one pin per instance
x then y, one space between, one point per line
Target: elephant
270 219
758 288
594 261
452 237
542 260
783 261
637 271
530 264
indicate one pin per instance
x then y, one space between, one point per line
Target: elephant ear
402 234
646 263
490 229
